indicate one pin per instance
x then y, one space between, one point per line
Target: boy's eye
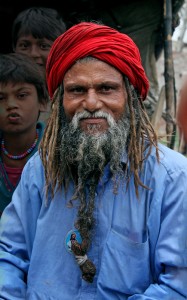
45 46
2 97
23 45
22 95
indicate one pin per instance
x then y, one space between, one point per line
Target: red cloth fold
99 41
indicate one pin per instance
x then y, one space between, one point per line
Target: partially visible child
33 33
23 95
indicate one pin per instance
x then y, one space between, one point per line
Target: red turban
99 41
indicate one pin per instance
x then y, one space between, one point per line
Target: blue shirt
139 247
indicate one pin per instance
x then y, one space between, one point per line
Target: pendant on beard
72 237
75 245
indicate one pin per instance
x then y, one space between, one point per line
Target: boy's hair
19 68
41 22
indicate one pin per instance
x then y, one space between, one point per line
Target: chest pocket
125 266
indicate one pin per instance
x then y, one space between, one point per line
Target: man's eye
77 89
106 88
2 97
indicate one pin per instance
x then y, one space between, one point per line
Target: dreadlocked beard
86 154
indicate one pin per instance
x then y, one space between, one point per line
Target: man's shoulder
172 159
34 163
171 167
33 172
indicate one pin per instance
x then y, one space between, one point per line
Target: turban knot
102 42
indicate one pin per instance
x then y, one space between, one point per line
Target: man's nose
92 102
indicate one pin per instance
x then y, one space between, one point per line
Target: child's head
23 92
18 68
34 31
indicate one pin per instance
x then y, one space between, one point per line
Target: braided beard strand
89 154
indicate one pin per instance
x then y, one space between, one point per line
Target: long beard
89 153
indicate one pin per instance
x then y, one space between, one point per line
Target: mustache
86 115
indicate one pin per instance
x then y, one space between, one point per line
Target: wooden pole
170 90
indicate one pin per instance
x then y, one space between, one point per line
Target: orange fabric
182 110
99 41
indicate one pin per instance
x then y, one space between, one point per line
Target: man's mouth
93 125
93 120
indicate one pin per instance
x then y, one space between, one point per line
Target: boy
34 31
23 95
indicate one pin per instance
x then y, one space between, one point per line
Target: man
99 173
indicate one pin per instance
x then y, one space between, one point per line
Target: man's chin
94 132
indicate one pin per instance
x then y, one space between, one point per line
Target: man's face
94 86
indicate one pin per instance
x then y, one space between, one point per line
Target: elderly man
100 175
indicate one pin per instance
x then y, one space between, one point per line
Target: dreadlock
143 136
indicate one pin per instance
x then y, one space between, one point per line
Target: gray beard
88 153
83 157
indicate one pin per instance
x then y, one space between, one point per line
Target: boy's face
36 48
19 107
